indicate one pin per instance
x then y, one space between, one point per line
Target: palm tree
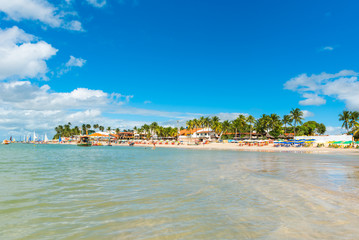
190 125
355 130
236 124
95 126
83 128
354 117
286 120
76 130
214 119
153 127
88 126
225 126
297 116
102 128
242 123
207 122
251 121
216 127
196 124
265 122
108 129
345 118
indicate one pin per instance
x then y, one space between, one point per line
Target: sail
60 138
35 136
45 138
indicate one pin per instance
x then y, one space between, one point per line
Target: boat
46 140
84 142
6 142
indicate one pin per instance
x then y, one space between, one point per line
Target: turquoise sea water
68 192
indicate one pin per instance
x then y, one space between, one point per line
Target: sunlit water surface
68 192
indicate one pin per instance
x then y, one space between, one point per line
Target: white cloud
74 25
343 86
38 10
147 102
328 48
22 55
72 62
334 130
312 99
25 107
97 3
75 62
228 116
307 114
25 95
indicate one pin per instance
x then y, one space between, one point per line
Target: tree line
271 124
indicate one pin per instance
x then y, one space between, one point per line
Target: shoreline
235 147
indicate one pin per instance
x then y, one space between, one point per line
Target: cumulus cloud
22 55
307 114
97 3
334 130
25 107
75 62
312 99
38 10
343 86
25 95
72 62
328 48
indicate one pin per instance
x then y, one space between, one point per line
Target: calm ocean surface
68 192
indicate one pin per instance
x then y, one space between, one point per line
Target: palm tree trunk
220 136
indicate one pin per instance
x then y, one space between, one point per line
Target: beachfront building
126 135
198 134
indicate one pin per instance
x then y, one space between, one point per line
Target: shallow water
68 192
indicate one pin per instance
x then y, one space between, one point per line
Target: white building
197 134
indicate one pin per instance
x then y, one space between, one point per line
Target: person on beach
154 145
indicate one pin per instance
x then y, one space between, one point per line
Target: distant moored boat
6 142
84 142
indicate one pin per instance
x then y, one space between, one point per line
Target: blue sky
125 63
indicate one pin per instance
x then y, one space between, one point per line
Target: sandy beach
269 148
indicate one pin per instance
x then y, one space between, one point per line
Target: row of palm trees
154 129
271 124
67 130
148 130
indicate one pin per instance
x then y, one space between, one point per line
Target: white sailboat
45 138
35 136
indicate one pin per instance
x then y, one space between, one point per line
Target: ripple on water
65 192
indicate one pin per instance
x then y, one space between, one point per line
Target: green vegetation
271 125
350 121
267 125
